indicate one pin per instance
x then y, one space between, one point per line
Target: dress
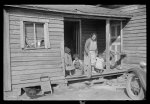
99 63
89 56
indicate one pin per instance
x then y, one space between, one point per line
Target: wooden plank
56 21
136 55
56 29
135 38
7 71
35 51
36 63
57 78
56 25
135 24
25 81
135 48
16 41
138 17
36 71
134 45
61 38
137 21
34 76
35 67
107 44
14 27
56 33
130 51
36 84
26 85
134 42
17 46
14 22
40 15
134 31
135 28
15 31
34 54
144 34
133 60
35 58
58 81
14 36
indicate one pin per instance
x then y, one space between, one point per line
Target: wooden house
35 37
134 35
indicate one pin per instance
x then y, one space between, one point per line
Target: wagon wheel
134 88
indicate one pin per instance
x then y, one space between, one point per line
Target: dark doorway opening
72 36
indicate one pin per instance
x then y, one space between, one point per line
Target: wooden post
80 39
34 35
62 57
121 39
6 57
107 44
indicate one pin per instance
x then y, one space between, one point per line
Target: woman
90 53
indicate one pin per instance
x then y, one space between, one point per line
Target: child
77 64
99 66
68 61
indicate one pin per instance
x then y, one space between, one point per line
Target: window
115 31
34 35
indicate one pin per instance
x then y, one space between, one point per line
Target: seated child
68 61
77 63
99 66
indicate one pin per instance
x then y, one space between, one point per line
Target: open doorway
72 36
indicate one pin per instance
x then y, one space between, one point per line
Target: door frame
79 40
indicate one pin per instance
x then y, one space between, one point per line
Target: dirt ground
80 91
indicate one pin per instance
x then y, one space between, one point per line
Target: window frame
116 34
46 32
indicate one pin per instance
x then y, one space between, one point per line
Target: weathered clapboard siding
134 34
37 83
36 80
32 63
27 66
37 75
33 71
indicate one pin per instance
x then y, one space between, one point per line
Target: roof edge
64 11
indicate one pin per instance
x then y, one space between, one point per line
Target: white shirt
93 45
99 63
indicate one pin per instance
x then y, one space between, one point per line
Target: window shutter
22 42
46 36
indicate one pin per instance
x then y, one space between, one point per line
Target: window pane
30 38
118 30
40 34
112 31
29 34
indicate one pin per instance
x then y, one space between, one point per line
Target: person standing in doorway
90 53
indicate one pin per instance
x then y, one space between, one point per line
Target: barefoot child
99 67
77 64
